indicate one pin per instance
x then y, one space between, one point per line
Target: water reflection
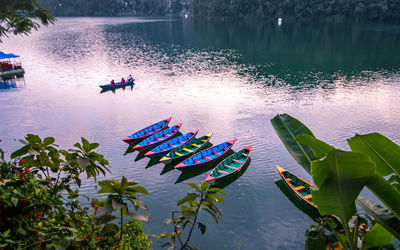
12 83
117 89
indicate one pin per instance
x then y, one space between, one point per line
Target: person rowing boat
130 78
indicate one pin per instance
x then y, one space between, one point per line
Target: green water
229 78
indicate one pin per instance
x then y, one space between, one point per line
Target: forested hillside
337 9
358 10
114 7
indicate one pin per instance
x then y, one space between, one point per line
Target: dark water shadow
187 174
113 90
168 167
310 211
154 161
141 155
130 149
232 178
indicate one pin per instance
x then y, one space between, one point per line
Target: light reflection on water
229 86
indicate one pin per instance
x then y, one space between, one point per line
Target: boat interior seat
237 161
299 188
307 196
223 172
230 167
288 179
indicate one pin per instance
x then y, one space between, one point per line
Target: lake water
229 78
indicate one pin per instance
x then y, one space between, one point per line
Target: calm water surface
220 77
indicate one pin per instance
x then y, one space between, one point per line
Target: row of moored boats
189 151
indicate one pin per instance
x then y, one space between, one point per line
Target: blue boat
171 144
158 138
148 131
206 156
117 85
189 148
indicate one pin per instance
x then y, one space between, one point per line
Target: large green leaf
194 186
106 187
387 193
340 177
384 152
381 215
288 128
319 148
377 237
138 189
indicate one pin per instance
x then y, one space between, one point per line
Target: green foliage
119 194
203 199
380 215
18 17
384 152
340 176
377 237
317 237
288 128
39 208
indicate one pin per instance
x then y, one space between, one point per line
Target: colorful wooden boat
206 156
148 131
171 144
116 85
187 149
300 187
158 138
231 165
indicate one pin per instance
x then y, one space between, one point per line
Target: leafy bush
39 207
203 199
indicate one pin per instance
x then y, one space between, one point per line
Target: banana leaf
387 193
288 128
384 152
378 237
381 215
340 177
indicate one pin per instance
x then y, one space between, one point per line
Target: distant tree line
375 10
114 7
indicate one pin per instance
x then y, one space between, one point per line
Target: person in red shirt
112 83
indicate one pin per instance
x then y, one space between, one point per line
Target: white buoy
279 21
185 15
